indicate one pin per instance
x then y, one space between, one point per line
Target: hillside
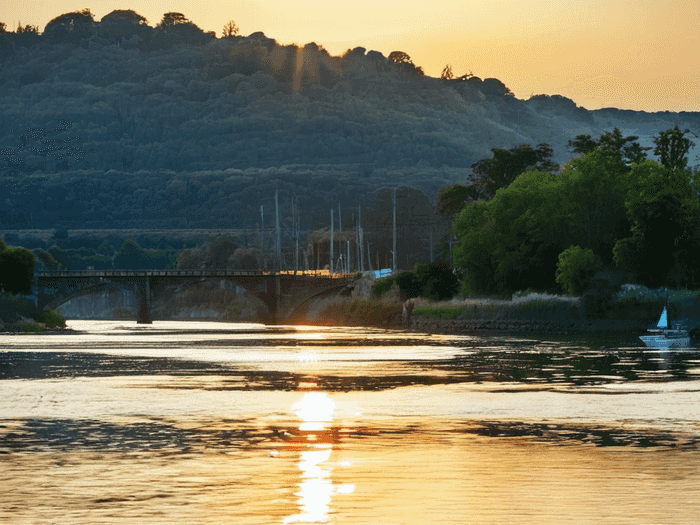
107 131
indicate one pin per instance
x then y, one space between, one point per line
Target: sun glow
316 489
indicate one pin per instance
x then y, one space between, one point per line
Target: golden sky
631 54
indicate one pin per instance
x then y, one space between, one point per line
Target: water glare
214 423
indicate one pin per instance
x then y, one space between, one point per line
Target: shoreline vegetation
19 314
630 311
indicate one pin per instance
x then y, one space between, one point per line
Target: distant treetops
121 24
523 224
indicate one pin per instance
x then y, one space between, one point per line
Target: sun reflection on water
316 489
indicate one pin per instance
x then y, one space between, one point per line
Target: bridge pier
143 292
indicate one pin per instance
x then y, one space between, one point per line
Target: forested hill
115 123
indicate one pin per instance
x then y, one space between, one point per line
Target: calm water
219 423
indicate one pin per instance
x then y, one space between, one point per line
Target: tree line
523 223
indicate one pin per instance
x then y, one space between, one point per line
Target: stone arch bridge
282 292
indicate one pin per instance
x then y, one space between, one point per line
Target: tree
451 199
212 254
513 241
672 148
575 269
405 63
70 28
16 270
122 24
501 170
230 29
665 217
399 57
626 148
171 19
447 73
27 29
596 185
175 28
438 280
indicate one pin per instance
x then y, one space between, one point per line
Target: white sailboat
664 336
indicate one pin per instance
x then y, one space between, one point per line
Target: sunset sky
632 54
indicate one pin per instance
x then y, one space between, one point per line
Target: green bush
26 326
440 312
382 286
435 281
51 319
576 268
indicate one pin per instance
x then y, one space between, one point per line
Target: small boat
663 336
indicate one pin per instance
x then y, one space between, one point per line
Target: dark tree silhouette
122 24
405 63
447 73
171 19
500 170
626 148
16 269
230 29
175 28
672 148
70 28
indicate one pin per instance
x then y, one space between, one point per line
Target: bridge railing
192 273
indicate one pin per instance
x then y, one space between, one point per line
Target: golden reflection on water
315 444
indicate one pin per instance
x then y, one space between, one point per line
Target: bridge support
143 292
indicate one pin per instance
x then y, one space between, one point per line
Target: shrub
440 312
51 319
382 286
27 326
576 268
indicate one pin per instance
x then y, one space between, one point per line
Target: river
194 422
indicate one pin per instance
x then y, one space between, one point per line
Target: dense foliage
16 269
614 206
436 281
122 123
576 268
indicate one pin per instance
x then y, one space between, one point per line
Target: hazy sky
633 54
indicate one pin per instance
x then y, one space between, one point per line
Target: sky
629 54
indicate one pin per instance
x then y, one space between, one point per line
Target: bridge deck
195 273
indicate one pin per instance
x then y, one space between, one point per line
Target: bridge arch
281 292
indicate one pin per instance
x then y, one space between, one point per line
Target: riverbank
534 314
19 314
527 327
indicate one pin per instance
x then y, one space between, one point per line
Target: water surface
223 423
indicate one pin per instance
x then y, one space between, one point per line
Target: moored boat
666 334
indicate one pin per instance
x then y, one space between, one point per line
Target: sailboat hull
662 341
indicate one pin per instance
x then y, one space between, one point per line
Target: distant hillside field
107 132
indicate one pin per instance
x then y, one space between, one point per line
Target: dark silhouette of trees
176 28
502 169
122 24
672 148
451 199
490 175
70 28
447 73
665 216
626 148
405 63
16 269
230 29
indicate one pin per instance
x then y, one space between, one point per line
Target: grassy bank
359 312
632 303
19 314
